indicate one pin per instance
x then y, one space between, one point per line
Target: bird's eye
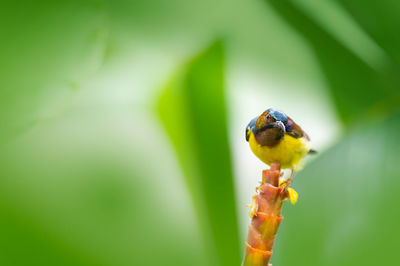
268 117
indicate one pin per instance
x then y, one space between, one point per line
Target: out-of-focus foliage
72 196
380 21
90 176
192 109
78 185
47 49
348 210
355 85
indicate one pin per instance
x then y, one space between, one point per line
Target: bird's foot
287 191
286 184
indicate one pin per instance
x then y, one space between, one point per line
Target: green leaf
70 196
192 109
381 21
357 88
47 51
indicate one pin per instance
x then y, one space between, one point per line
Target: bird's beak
275 125
281 125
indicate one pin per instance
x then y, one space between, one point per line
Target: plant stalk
266 219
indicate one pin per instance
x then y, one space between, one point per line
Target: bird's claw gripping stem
286 184
287 191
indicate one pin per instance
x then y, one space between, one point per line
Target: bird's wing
295 130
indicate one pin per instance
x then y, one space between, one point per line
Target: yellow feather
288 152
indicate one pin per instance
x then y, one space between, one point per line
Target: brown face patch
269 137
263 120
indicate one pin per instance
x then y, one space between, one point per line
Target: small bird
276 138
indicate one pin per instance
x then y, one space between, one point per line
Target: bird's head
268 128
270 117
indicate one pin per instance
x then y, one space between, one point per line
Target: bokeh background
122 129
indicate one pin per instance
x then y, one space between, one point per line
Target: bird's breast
288 152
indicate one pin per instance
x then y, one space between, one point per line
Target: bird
275 138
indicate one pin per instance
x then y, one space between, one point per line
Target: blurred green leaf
348 210
380 19
70 196
356 87
47 50
192 109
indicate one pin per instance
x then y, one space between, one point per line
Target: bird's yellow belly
288 152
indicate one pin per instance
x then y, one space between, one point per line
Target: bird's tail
312 151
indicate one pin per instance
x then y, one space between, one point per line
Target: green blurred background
122 129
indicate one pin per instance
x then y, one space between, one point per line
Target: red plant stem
265 223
